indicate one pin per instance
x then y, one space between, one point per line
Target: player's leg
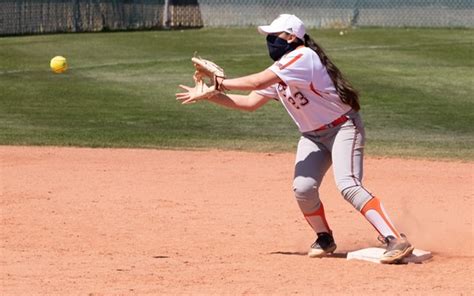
347 151
398 246
312 162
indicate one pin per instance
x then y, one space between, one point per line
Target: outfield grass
416 84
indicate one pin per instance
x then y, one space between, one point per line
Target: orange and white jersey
307 91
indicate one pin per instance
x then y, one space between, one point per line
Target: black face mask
277 47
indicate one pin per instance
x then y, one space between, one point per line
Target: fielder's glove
206 68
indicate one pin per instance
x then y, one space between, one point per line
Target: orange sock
317 220
374 212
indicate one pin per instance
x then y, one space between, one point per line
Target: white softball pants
342 146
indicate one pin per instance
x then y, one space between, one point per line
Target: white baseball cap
288 23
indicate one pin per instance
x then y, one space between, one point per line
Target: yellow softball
58 64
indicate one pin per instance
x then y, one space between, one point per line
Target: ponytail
344 89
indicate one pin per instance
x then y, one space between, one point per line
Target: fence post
355 13
166 15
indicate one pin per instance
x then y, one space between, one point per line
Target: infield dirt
123 221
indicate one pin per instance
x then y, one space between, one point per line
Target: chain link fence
53 16
35 17
341 13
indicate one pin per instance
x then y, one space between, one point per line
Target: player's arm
214 93
206 68
255 81
250 102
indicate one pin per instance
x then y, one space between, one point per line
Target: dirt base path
103 221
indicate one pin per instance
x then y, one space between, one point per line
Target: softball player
324 106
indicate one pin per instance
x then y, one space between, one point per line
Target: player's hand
189 96
193 94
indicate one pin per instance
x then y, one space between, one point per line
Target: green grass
416 84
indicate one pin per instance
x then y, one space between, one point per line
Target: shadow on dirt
335 255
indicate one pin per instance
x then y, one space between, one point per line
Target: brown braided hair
344 88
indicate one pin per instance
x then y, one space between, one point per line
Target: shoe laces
381 239
386 240
324 240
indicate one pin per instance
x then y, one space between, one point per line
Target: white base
374 254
